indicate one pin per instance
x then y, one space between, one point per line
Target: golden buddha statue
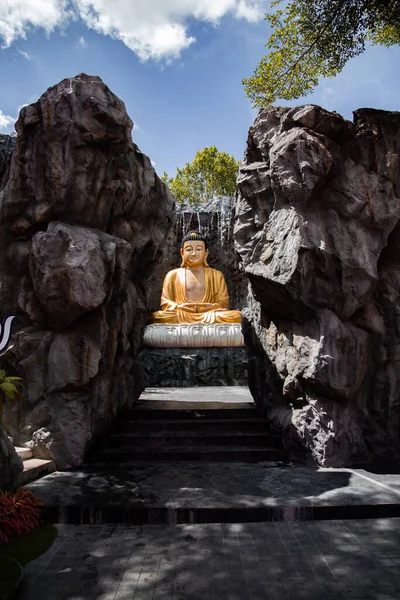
195 293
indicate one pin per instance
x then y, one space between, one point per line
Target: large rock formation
318 231
82 217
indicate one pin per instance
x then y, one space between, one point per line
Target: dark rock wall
82 218
318 232
192 367
7 146
10 463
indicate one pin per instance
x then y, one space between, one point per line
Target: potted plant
11 574
22 537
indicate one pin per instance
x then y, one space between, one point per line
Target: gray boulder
73 270
317 213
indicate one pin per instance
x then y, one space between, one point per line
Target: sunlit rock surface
82 217
317 229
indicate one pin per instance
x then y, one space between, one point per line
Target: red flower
19 514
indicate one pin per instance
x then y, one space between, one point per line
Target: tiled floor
257 561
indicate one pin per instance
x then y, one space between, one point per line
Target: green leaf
9 389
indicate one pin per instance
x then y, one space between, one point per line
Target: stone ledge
194 335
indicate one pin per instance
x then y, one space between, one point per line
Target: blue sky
177 65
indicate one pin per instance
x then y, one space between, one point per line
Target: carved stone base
193 336
180 367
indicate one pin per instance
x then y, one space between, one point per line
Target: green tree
313 39
211 173
8 389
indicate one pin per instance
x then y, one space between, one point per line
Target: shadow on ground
310 560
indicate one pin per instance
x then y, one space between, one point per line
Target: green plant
19 514
18 551
310 40
9 389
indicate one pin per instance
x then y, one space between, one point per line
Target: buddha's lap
219 315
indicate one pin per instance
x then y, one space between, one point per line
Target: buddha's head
194 250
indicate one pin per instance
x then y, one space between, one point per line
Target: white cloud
153 29
31 99
82 42
6 121
17 17
153 162
24 54
251 11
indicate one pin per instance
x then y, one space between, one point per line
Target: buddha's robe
174 293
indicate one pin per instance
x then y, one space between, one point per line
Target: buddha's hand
203 306
188 307
197 307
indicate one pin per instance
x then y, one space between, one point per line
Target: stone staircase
180 455
33 467
192 431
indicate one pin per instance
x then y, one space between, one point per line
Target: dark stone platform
176 492
191 367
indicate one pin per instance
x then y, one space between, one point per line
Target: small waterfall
219 228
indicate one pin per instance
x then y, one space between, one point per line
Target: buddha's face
194 253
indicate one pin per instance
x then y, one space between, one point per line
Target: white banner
5 332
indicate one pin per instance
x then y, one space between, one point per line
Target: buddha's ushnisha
195 293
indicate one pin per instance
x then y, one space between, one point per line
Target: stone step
185 414
23 453
35 468
166 439
125 457
211 492
176 403
196 424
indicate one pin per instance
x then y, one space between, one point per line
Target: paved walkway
263 561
